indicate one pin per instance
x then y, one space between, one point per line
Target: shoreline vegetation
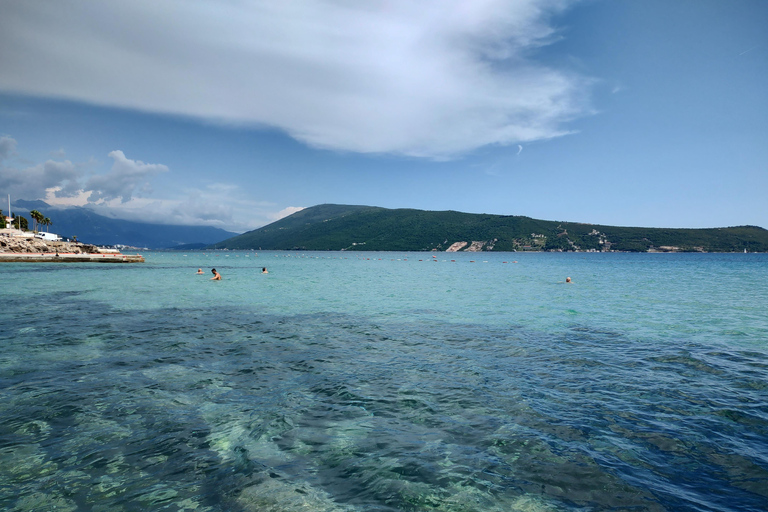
18 246
333 227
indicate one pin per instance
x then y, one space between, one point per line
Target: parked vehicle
51 237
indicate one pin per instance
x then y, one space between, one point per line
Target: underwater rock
273 495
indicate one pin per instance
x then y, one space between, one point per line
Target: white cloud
59 153
66 182
32 182
285 212
433 78
114 194
225 206
54 198
126 178
219 205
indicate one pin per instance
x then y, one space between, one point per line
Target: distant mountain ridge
90 227
370 228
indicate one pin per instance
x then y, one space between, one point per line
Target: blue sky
234 114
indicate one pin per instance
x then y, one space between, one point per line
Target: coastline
17 246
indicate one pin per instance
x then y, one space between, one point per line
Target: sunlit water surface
386 382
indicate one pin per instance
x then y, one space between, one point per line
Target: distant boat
745 251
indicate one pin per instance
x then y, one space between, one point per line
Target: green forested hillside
369 228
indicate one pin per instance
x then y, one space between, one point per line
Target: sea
386 381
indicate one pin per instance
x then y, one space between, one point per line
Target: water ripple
166 409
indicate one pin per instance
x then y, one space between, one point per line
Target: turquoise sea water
386 382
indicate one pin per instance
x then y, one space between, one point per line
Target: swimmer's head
567 279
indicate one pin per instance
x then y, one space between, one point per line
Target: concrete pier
11 257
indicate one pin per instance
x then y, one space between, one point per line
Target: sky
236 113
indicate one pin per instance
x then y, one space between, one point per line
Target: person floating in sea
199 271
567 279
216 275
264 270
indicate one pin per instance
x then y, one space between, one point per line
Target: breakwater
16 247
71 258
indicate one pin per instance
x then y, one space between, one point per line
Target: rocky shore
18 244
15 248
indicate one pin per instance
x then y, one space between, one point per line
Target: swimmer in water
216 275
567 279
199 271
264 270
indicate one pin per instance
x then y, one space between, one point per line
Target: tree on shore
47 223
2 220
37 218
20 223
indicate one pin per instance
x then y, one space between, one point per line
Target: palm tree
37 217
47 223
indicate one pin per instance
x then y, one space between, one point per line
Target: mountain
343 227
93 228
30 205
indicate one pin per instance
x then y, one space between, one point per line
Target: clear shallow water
386 381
